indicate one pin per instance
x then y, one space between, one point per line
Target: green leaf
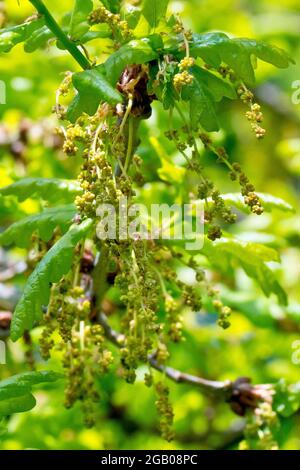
218 87
215 48
17 404
48 189
79 20
225 253
266 52
269 202
10 37
168 95
42 36
93 88
139 51
202 105
15 392
132 16
92 35
243 250
78 106
154 11
55 264
38 39
203 93
112 5
45 223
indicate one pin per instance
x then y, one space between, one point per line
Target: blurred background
259 342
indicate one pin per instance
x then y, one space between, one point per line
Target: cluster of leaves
188 73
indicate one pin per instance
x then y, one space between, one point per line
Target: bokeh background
259 342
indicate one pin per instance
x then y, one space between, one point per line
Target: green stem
60 35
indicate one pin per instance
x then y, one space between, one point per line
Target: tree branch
60 35
222 390
240 394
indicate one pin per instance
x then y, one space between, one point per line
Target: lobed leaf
10 37
15 392
215 48
93 88
45 223
55 264
48 189
252 257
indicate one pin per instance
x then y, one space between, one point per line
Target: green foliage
252 257
215 48
49 189
218 88
154 11
154 293
10 37
93 88
38 39
44 223
79 24
15 392
202 106
56 263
